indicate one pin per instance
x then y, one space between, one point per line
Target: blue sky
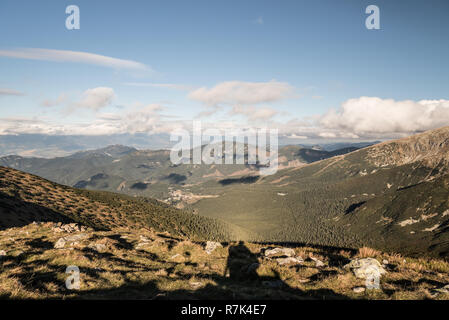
316 54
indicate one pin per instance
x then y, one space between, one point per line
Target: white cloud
362 119
51 103
242 93
160 85
295 136
72 56
146 119
253 113
366 116
10 92
327 135
96 98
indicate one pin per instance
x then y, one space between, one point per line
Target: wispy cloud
54 102
175 86
10 92
96 98
72 56
253 113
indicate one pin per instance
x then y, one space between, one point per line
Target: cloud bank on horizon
257 64
356 118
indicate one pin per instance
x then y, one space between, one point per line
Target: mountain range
290 235
392 195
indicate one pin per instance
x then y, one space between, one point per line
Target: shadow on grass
15 212
244 180
239 281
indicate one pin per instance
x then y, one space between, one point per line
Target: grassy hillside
135 263
349 200
144 172
135 248
25 198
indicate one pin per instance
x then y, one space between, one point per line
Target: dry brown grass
366 252
126 270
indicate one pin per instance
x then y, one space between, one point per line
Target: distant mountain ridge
120 168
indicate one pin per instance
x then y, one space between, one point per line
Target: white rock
69 228
70 239
279 252
365 268
318 263
289 261
196 285
2 253
60 243
358 289
98 247
76 237
211 246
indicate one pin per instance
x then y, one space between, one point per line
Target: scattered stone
365 268
385 261
70 239
2 253
177 258
143 242
69 228
60 243
196 285
144 239
98 247
76 237
358 289
162 272
278 252
289 261
318 263
211 246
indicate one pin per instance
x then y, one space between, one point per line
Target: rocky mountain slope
64 243
147 172
354 199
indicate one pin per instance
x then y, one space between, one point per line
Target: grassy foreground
145 264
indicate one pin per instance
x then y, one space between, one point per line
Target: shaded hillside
415 216
25 198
